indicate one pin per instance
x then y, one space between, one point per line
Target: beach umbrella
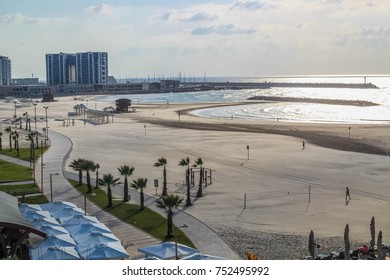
45 221
67 212
311 244
83 229
167 250
57 240
346 242
202 257
53 229
55 253
57 206
31 214
80 219
380 252
110 250
372 230
23 207
95 238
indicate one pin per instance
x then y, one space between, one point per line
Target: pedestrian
303 145
347 194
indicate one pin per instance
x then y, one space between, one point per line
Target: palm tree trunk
165 190
10 142
142 199
170 224
89 186
80 177
372 231
188 201
126 191
200 192
1 144
109 196
97 179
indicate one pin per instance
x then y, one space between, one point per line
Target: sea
285 111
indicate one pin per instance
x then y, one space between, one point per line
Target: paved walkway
204 238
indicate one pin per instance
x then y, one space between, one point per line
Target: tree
87 166
108 180
30 138
126 171
140 184
186 162
163 162
15 137
76 165
169 203
96 169
9 130
199 162
1 141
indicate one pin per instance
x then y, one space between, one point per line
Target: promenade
204 238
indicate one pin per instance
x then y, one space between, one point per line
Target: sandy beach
275 179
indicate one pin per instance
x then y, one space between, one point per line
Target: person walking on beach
303 145
347 194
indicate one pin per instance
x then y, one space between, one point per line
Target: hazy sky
222 38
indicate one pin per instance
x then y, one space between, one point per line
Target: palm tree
108 180
126 171
186 162
199 162
1 141
168 203
15 137
76 165
140 184
163 162
96 169
9 130
87 166
30 137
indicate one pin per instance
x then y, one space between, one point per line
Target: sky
196 38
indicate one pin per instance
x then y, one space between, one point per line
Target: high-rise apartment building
80 68
92 68
5 71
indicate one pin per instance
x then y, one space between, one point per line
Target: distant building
87 68
60 69
92 68
5 71
25 81
169 84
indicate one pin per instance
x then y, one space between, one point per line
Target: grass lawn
14 172
146 220
36 199
24 153
16 190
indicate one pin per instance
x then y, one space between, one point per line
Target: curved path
204 238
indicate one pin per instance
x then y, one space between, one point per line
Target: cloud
201 16
368 37
225 29
250 5
22 19
102 9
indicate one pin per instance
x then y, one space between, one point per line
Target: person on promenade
347 194
303 145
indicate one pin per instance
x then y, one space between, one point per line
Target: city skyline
220 38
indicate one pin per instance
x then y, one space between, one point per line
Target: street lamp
51 186
174 233
35 115
85 202
42 166
46 132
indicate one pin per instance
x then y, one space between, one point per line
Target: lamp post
35 116
42 166
15 102
51 185
46 131
174 233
